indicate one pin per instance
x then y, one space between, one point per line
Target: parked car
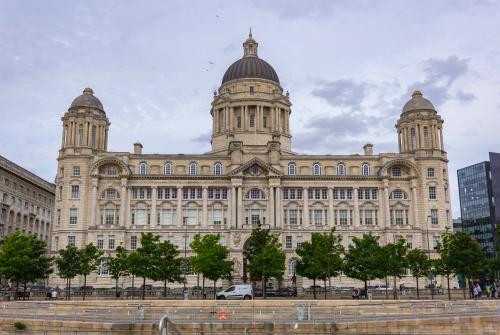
243 291
86 288
379 288
281 292
147 287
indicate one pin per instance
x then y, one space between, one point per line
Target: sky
349 67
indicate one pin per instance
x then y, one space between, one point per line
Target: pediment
255 168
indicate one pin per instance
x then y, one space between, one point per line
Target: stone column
387 214
399 141
233 207
179 206
153 206
229 212
128 221
356 208
279 209
330 207
414 203
441 138
240 207
204 214
271 220
123 202
305 209
93 205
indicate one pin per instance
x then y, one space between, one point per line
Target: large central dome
250 66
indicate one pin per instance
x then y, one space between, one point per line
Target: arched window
413 139
110 193
292 169
292 265
341 170
365 169
143 168
316 169
396 171
193 168
426 137
218 169
167 168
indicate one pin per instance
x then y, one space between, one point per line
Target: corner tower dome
418 102
87 99
250 66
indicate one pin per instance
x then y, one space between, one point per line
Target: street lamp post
185 259
430 276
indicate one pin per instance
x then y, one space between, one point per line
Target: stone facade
251 175
26 202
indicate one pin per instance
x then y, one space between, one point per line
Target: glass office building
477 201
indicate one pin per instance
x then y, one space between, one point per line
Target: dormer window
252 90
143 168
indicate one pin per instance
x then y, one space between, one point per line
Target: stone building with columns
250 175
26 202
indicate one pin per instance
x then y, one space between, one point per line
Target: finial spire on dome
88 90
250 46
416 93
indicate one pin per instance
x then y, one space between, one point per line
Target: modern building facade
251 175
477 201
457 224
26 202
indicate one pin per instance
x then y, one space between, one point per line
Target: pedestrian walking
479 290
54 294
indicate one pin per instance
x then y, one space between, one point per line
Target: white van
243 291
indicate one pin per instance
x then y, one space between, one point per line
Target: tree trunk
386 287
133 287
69 289
394 289
165 289
418 294
264 295
84 286
324 286
16 297
215 287
143 287
448 280
116 287
314 288
24 289
465 286
366 288
203 287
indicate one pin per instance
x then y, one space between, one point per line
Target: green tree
118 266
68 265
265 257
167 265
146 258
444 264
134 267
363 258
23 259
90 259
210 259
419 265
320 258
466 255
394 262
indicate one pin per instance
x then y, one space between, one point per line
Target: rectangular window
217 216
435 241
238 121
75 191
318 217
191 216
76 171
140 216
409 242
133 242
343 217
109 216
103 269
292 216
100 242
60 193
399 216
434 216
111 242
71 241
166 216
368 217
299 241
73 216
255 216
430 172
58 220
432 192
56 243
288 242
